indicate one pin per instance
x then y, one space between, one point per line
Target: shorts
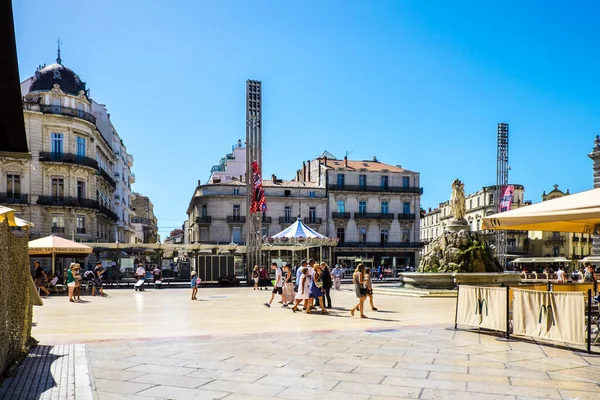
278 290
39 282
97 283
72 284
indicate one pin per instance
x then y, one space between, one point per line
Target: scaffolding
501 182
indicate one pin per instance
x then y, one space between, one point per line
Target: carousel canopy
57 245
9 214
298 230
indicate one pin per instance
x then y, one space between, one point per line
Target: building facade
66 188
230 167
144 222
372 207
595 156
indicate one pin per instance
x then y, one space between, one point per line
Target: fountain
458 256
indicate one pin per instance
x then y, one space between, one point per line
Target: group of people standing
313 284
74 278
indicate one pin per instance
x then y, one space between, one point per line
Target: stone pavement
161 345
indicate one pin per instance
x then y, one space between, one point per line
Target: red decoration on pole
259 203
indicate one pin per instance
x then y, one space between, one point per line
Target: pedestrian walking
303 290
255 277
560 275
77 276
316 287
337 277
358 278
156 274
303 264
98 272
194 285
369 285
263 278
278 287
39 277
71 282
140 274
288 286
327 284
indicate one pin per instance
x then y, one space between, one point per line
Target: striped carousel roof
298 230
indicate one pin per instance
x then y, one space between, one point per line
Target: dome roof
45 79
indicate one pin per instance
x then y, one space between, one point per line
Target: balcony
68 158
383 216
340 215
313 220
107 177
61 201
236 219
287 220
107 212
555 241
58 229
385 189
266 220
206 219
141 220
132 178
13 198
60 110
386 245
405 216
81 231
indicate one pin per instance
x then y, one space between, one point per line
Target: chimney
308 169
273 178
374 158
199 182
325 160
240 178
346 161
303 171
239 142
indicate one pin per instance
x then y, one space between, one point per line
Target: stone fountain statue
458 249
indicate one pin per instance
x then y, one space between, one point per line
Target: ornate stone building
67 187
144 222
372 207
595 156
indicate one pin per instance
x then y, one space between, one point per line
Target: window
80 190
362 235
405 181
406 208
555 251
204 210
264 232
312 214
470 203
341 206
57 143
384 207
287 213
491 199
56 105
311 194
13 186
80 146
384 236
362 207
478 201
362 181
80 110
384 182
80 224
340 180
478 224
58 188
236 234
58 223
236 192
406 235
287 193
236 210
341 234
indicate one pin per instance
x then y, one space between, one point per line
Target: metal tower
253 152
501 183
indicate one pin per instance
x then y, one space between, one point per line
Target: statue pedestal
456 225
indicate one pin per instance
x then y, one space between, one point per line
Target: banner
484 307
550 315
506 196
259 203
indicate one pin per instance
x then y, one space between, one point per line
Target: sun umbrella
9 213
56 245
579 213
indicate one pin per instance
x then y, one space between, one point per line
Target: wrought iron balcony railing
313 221
405 216
107 177
287 220
68 158
58 229
14 198
388 216
366 188
207 219
60 110
340 215
240 219
63 201
385 245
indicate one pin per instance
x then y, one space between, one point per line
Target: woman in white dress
303 290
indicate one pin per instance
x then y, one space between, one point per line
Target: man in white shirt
278 288
560 275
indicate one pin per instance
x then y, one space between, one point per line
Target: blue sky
416 83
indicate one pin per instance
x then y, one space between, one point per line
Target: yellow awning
9 213
579 213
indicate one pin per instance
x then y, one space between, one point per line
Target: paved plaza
161 345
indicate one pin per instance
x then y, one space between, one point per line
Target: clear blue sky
417 83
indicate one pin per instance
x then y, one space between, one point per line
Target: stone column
595 156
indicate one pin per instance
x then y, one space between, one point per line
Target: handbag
319 284
198 280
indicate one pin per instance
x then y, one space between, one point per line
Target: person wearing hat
99 270
194 285
71 282
77 276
